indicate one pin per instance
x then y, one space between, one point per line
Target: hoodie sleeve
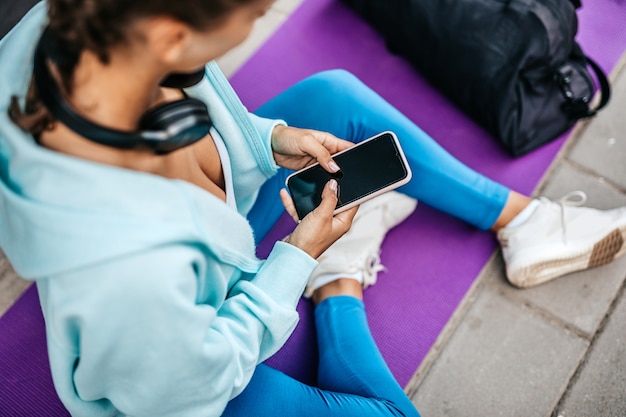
145 344
265 127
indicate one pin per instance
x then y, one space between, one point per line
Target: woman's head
99 25
176 35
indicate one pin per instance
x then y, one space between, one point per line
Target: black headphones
163 129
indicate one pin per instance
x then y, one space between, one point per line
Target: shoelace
572 199
371 270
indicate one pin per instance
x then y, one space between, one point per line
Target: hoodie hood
59 213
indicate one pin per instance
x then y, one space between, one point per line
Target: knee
336 83
407 409
335 77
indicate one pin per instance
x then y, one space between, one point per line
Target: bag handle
576 3
605 87
578 108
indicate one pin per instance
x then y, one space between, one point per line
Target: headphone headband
163 129
179 80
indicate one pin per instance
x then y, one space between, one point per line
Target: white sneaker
357 253
559 239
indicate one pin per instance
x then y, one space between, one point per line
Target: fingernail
333 166
333 185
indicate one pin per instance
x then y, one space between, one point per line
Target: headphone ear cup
164 129
184 121
166 114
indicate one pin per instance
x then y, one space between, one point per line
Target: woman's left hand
296 148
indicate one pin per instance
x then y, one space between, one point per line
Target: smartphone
369 168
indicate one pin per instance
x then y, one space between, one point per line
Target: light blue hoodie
154 300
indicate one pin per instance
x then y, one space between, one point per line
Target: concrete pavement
557 349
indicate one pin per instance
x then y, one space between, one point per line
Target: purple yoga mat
25 382
431 259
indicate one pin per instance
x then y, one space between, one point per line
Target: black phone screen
368 167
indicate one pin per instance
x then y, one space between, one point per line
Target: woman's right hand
320 228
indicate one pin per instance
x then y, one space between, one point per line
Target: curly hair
99 25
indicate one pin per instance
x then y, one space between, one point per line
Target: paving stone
502 360
600 389
263 29
566 178
286 6
11 286
581 299
602 147
12 12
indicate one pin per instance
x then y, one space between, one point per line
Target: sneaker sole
610 247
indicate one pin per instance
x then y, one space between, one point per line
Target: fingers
289 206
329 199
347 216
326 207
316 148
341 222
320 228
343 144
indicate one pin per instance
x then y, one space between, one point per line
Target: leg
353 377
355 381
337 102
349 359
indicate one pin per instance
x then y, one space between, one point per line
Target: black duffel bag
513 66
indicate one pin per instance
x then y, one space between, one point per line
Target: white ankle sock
525 214
327 278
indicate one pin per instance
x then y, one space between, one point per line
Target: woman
141 238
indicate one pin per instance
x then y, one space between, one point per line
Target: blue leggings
353 379
337 102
